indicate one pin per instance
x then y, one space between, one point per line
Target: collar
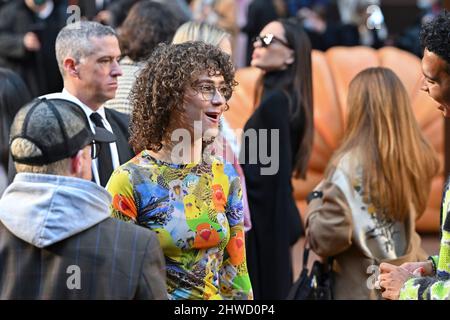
88 111
68 96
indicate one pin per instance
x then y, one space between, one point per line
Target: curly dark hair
159 89
435 36
146 25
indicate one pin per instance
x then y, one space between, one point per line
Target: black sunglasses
268 39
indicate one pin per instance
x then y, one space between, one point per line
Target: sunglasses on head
268 39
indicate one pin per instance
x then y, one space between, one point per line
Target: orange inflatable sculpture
332 73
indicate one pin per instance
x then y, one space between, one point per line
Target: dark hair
159 89
297 81
435 36
280 7
13 95
146 25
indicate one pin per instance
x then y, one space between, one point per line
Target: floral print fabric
196 211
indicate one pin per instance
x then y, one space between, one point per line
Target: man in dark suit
87 55
57 240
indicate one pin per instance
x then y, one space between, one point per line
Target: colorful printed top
438 286
196 211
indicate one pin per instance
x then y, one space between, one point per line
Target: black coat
119 124
38 69
276 223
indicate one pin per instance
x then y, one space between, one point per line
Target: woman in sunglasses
283 52
190 198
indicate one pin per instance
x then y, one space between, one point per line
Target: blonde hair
397 161
200 31
22 147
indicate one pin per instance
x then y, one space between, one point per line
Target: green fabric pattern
436 287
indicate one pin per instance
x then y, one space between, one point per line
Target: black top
39 69
259 14
275 217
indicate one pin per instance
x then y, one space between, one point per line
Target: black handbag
314 285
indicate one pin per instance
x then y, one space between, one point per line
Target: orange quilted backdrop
332 73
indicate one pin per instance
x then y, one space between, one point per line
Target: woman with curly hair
191 199
225 143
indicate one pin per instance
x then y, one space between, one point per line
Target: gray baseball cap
57 127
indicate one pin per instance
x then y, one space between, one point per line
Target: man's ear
71 67
76 164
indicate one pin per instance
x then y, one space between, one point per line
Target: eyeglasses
208 91
95 149
268 39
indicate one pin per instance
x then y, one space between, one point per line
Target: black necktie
105 166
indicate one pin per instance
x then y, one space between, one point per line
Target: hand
392 278
311 20
305 13
104 17
424 267
31 42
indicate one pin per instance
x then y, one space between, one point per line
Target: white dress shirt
88 111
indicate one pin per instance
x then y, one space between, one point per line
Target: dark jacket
119 123
276 223
57 241
38 69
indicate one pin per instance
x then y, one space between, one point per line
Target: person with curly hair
189 197
226 144
428 280
147 24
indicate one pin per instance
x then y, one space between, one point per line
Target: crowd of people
121 179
